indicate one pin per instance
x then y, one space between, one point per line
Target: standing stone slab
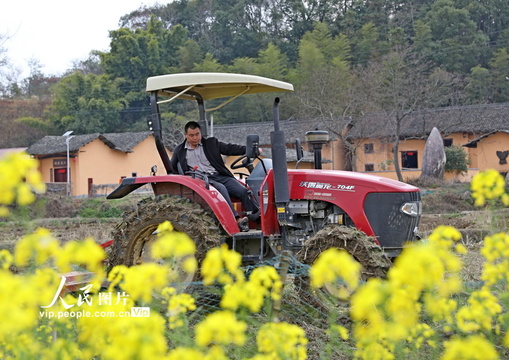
433 162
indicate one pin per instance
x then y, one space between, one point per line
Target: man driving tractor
197 153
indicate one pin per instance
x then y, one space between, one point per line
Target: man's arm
174 159
231 149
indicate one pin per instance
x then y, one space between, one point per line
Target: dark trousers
229 186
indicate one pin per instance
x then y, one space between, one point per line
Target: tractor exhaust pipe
278 147
279 166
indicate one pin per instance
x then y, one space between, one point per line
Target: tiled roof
478 119
294 129
118 141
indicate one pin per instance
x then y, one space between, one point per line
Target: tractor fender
185 186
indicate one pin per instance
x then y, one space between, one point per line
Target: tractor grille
392 227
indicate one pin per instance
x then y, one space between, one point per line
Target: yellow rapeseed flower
141 280
263 281
496 252
340 330
222 265
112 334
171 243
488 185
178 305
473 347
6 259
36 248
222 328
333 264
19 178
481 309
182 353
283 341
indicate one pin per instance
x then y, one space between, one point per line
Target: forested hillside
345 58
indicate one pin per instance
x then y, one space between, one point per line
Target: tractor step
251 234
249 237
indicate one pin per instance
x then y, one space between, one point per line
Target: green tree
457 161
491 17
332 47
188 55
499 69
457 43
423 40
478 84
272 63
243 65
136 55
310 59
208 64
86 104
232 33
368 45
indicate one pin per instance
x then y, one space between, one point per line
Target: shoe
254 216
243 223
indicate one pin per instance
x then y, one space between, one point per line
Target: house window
369 167
60 175
409 159
447 142
369 148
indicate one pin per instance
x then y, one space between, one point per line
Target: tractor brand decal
326 186
315 195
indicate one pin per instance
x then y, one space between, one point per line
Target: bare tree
332 93
401 84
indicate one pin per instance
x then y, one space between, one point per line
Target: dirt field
64 229
74 219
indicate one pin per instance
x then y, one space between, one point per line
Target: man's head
193 133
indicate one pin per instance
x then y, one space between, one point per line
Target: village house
366 144
97 162
481 131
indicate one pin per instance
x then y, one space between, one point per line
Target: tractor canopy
202 86
209 86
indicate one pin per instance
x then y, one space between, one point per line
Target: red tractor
304 211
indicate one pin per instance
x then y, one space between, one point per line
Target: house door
60 175
409 160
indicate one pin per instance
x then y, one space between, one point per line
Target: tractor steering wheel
245 162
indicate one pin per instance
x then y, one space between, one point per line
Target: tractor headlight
411 208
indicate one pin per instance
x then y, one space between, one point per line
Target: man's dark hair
191 125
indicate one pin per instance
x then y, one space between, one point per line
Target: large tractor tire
134 236
362 247
375 264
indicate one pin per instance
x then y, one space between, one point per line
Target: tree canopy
342 57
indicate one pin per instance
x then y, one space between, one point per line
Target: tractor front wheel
363 248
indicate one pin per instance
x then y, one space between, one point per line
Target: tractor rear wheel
363 248
134 236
